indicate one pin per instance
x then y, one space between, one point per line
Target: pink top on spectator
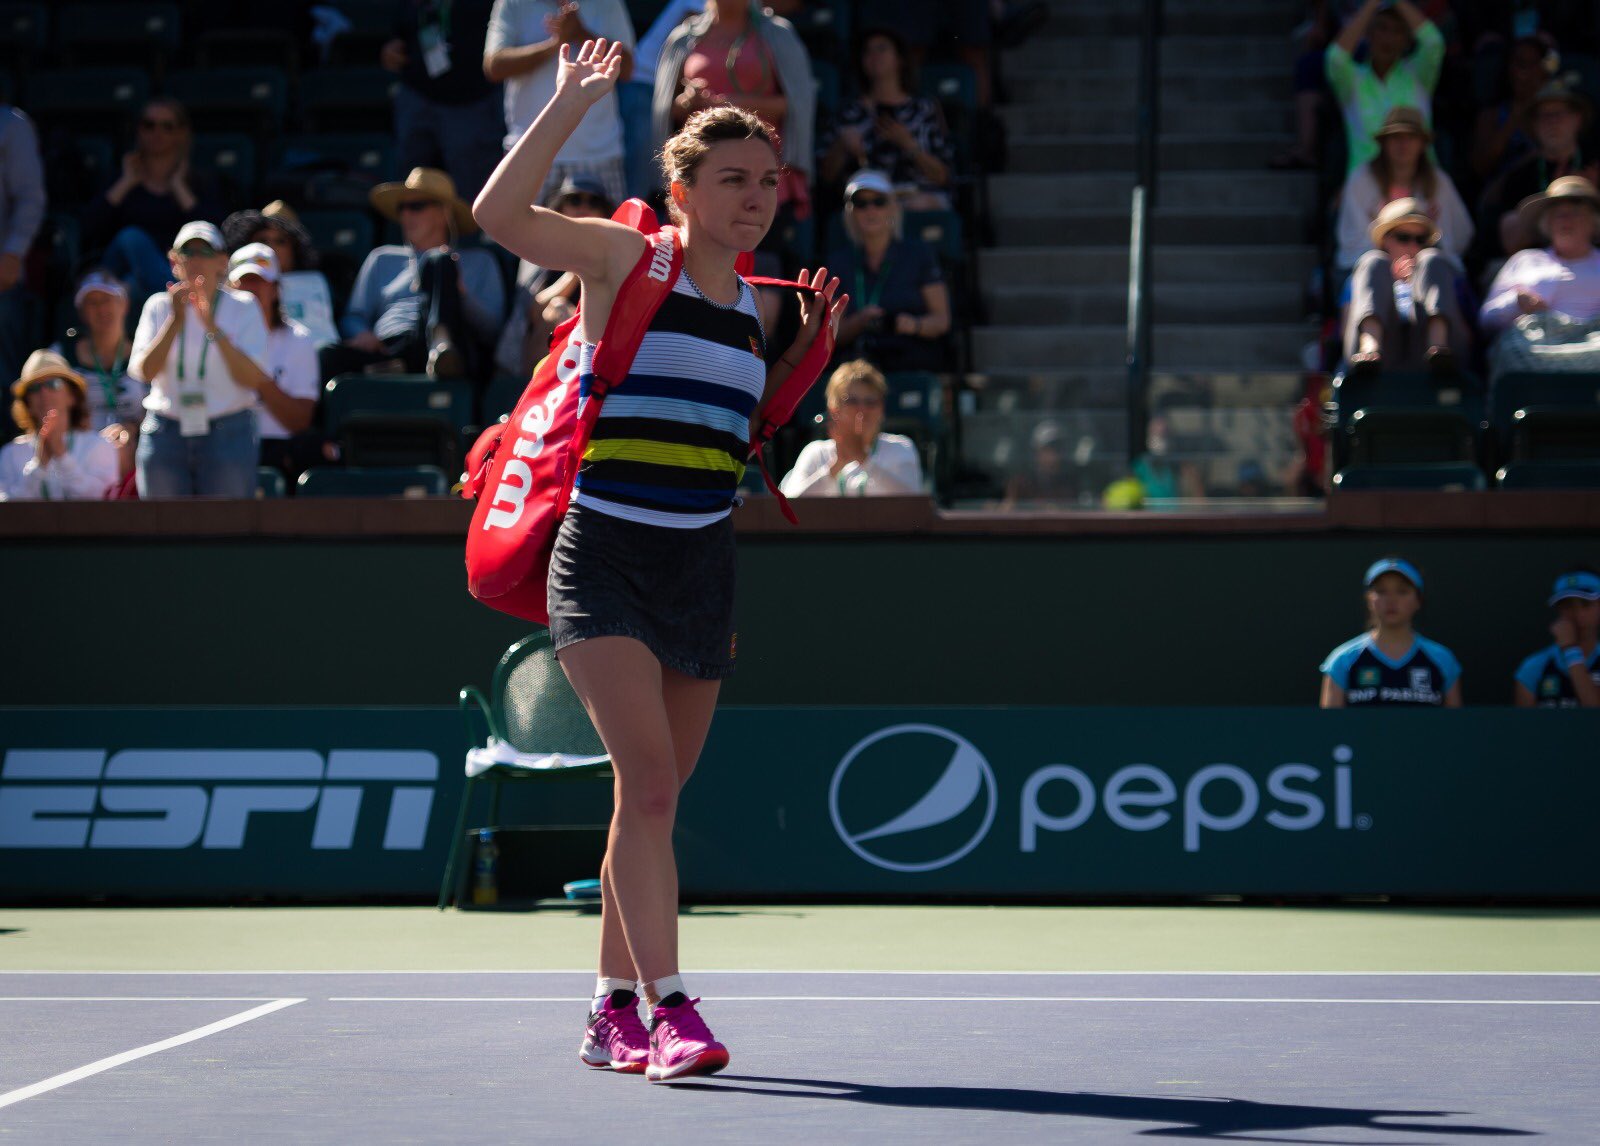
1571 287
733 65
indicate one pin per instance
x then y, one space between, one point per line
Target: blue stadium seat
1432 476
348 395
1410 390
346 234
941 230
953 85
231 156
1386 436
501 398
270 483
228 99
371 154
387 481
348 99
116 33
1549 475
916 395
96 100
1555 434
1537 394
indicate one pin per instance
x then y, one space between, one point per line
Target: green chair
270 483
349 394
537 732
1384 436
390 481
1549 475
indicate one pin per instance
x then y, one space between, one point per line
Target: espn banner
992 803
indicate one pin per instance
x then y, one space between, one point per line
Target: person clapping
58 457
857 458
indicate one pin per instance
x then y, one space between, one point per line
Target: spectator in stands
200 345
288 393
135 220
58 457
1561 279
1048 479
447 113
1405 310
1560 114
856 459
1391 663
969 22
1402 169
1567 674
1503 133
544 299
423 305
303 291
22 204
525 37
899 304
1405 54
734 52
891 130
99 347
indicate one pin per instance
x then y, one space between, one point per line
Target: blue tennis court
848 1056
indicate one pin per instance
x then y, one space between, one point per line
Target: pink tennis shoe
681 1044
616 1038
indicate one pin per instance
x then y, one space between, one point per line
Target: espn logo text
180 798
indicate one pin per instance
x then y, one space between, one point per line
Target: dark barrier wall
1126 620
884 803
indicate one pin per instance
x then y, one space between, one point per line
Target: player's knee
649 801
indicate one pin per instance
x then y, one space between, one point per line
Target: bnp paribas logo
913 797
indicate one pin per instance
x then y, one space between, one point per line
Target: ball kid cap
253 259
1393 565
1583 586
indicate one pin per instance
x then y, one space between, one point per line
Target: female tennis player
1391 663
641 579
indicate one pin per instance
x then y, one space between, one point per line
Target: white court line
93 1068
133 999
984 999
798 971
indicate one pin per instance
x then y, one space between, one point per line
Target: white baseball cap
253 259
868 179
200 229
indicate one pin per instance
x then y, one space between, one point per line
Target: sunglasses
1410 238
584 199
870 401
44 384
197 250
415 205
869 202
158 124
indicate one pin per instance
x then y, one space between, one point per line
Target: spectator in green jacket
1404 54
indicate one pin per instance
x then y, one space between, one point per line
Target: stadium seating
501 398
350 394
1556 434
1549 475
270 483
231 156
1433 476
397 481
348 99
1538 398
117 33
231 99
371 26
533 715
247 48
1389 437
92 100
24 31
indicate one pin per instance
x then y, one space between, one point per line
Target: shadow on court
1197 1117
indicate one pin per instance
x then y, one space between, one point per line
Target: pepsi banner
982 803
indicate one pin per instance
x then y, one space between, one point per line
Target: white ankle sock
654 992
603 988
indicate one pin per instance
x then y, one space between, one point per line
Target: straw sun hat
424 183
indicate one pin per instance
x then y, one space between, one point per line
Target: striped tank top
669 446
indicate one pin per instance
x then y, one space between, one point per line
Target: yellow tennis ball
1124 493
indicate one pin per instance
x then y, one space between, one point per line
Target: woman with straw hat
1405 310
1560 278
58 457
1402 169
433 307
1559 118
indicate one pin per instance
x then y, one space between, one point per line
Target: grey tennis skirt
671 589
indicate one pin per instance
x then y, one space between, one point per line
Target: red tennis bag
521 471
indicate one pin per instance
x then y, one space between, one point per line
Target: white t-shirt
292 364
87 471
113 397
892 467
518 23
238 317
305 297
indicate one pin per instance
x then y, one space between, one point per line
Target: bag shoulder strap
638 299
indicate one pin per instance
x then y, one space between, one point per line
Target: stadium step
1031 153
1188 117
1108 265
1205 346
1281 301
1071 18
1272 85
1037 194
1178 53
1167 226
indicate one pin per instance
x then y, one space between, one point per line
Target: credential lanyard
877 291
109 378
183 352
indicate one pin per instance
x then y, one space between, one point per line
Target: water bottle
485 865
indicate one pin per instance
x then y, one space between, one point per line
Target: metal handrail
1144 201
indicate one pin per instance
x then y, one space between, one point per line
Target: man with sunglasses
1405 310
199 345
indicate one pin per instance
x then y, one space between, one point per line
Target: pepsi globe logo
912 797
